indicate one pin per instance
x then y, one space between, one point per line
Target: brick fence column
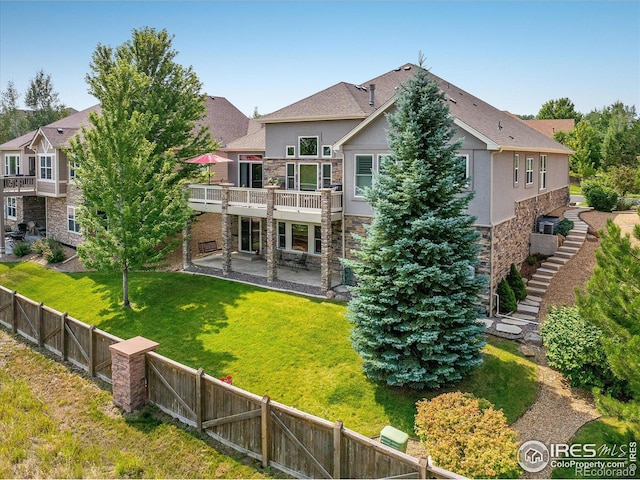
272 261
226 229
327 251
128 372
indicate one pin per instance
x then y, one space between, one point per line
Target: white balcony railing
257 198
19 185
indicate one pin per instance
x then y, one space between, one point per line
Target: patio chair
300 262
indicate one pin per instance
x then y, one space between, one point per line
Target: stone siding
277 168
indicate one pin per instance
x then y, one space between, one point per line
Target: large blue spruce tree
415 304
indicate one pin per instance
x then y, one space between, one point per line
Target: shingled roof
360 101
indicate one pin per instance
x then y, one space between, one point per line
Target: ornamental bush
574 348
468 436
514 279
508 302
599 194
20 249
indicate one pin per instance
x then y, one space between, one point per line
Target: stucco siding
280 135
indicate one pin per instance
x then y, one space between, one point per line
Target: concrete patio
257 266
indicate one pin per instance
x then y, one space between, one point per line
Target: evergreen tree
516 283
44 102
133 200
612 302
508 301
415 304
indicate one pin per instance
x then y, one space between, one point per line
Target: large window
72 221
301 237
308 146
529 171
543 172
12 165
516 169
251 173
363 173
308 177
46 167
12 208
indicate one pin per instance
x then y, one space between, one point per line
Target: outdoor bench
208 247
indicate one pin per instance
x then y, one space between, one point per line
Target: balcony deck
18 186
288 204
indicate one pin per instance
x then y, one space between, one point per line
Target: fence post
424 462
92 361
128 367
337 449
265 425
14 308
39 325
63 332
199 374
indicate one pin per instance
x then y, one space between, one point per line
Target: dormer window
308 146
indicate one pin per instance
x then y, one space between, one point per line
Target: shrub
599 194
532 259
20 249
508 302
574 348
50 249
563 227
514 279
467 435
624 204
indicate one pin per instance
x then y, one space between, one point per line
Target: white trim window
72 221
73 167
300 237
516 168
466 180
12 165
326 151
308 146
543 172
363 173
12 208
290 151
46 167
326 175
529 171
291 176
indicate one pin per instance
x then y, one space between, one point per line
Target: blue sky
514 55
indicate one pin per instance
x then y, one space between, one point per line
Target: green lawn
293 348
575 189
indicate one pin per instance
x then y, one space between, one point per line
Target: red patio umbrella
207 159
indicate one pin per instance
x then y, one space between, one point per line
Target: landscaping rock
511 329
331 294
528 350
533 338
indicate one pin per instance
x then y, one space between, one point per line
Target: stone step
527 309
486 321
538 284
540 292
551 266
512 321
561 261
570 243
575 238
524 316
542 277
567 255
505 328
533 298
530 302
580 226
568 249
546 271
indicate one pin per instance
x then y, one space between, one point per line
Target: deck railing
257 198
18 184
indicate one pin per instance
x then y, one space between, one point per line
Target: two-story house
322 151
37 181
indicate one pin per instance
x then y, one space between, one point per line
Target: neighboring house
551 127
323 151
37 179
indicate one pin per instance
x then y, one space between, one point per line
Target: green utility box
394 438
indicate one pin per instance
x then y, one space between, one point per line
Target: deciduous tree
44 101
415 304
558 109
13 122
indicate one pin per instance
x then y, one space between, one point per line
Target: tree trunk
125 288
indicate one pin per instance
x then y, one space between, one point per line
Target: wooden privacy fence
295 442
